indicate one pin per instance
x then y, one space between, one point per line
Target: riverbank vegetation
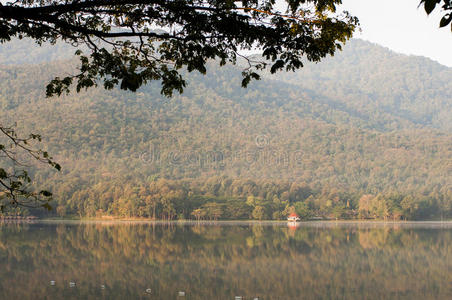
234 199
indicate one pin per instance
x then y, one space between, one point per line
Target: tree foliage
129 43
14 178
446 8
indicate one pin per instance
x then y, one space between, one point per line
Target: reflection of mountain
213 262
366 121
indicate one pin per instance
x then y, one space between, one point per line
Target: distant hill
26 51
372 79
366 121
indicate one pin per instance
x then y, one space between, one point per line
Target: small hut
293 217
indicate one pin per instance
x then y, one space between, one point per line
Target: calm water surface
224 260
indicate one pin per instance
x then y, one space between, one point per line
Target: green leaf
445 20
430 5
279 64
245 81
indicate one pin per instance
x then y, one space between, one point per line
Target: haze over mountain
366 121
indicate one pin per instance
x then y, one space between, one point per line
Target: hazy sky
403 27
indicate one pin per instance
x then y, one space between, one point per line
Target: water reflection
251 260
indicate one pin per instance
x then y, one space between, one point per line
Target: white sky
403 27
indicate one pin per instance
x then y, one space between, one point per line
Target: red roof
293 215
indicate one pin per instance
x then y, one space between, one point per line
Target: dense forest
365 134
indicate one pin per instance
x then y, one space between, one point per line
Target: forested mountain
367 132
373 80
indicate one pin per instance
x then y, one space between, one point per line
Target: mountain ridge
334 126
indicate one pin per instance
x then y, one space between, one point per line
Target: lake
158 260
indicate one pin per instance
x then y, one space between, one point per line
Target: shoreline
287 224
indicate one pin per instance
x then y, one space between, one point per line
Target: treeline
234 199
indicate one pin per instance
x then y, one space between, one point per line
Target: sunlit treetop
132 42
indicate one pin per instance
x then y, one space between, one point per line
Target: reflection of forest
219 262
